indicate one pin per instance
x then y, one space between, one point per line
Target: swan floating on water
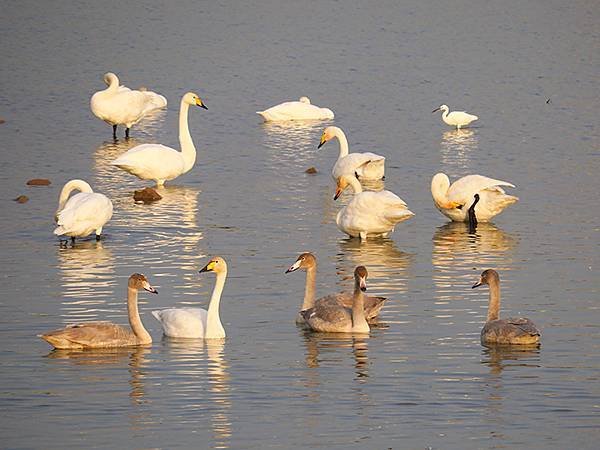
82 214
119 105
197 322
369 213
511 331
456 119
296 110
161 163
105 334
456 200
308 262
365 166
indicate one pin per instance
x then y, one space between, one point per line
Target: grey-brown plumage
106 334
308 262
511 331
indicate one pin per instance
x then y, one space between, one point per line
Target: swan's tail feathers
399 215
157 315
59 231
154 101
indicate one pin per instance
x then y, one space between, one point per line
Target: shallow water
421 379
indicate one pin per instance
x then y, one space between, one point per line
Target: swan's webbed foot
126 133
114 132
98 237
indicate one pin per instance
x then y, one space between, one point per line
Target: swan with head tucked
308 262
84 213
454 201
511 331
105 334
296 110
119 105
365 166
334 318
369 213
161 163
456 119
197 322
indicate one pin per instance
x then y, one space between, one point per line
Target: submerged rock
311 170
38 182
146 195
21 199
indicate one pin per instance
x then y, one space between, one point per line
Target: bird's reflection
110 179
456 148
499 358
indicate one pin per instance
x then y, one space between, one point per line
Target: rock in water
146 195
38 182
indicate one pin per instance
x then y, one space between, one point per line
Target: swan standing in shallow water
119 105
300 110
369 213
161 163
512 331
455 201
106 334
82 214
308 262
197 322
365 166
456 119
335 318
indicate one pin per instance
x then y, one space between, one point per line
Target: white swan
456 119
300 110
161 163
197 322
369 213
82 214
454 201
119 105
365 166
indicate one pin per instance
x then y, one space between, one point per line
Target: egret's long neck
445 113
213 321
73 185
188 150
343 142
309 289
358 308
356 187
134 317
494 303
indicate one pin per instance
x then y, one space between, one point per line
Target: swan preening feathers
296 110
456 119
106 334
82 214
161 163
119 105
197 322
511 331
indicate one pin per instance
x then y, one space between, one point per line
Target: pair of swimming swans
119 105
176 322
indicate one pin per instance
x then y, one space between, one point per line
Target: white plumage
369 213
456 119
455 200
367 166
84 213
119 105
296 110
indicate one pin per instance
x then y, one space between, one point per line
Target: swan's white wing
154 101
84 213
182 322
373 212
296 111
354 162
151 162
463 189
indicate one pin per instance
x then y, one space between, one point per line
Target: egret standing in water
456 119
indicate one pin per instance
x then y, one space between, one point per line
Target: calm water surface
421 379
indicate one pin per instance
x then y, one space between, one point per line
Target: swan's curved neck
214 328
188 150
309 289
494 302
134 317
439 192
73 185
113 84
358 308
355 184
343 142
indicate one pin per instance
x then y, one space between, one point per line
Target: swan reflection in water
456 149
200 374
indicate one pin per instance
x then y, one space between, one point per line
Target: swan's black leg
114 131
72 239
126 133
98 237
472 217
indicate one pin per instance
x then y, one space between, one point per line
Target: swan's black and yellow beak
322 141
338 192
208 268
200 103
479 283
294 266
150 289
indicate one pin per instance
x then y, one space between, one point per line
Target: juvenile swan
369 213
515 331
365 166
106 334
84 213
300 110
158 162
119 105
335 318
197 322
456 119
308 262
454 200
